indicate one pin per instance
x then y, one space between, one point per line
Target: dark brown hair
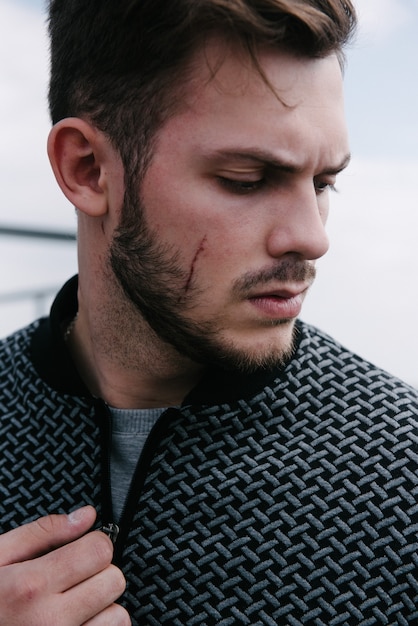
119 63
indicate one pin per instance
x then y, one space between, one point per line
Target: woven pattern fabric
49 451
298 506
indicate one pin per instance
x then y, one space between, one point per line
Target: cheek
218 259
209 238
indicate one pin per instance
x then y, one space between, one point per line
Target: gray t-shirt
130 429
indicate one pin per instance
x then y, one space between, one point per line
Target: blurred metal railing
17 231
39 296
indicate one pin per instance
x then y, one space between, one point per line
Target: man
248 469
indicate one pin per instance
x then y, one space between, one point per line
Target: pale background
366 294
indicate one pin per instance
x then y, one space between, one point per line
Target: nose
298 225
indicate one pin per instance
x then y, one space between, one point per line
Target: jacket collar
54 364
50 354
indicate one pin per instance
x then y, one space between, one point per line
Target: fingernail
78 515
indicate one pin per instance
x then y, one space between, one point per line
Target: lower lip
278 308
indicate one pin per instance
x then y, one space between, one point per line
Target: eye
324 185
240 186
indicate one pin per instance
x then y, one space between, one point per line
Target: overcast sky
366 294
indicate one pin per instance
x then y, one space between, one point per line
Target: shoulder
19 380
18 373
332 375
15 350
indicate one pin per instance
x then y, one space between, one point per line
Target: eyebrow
268 159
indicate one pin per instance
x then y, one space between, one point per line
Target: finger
114 615
24 598
45 534
71 564
91 597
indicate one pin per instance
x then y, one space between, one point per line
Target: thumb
44 534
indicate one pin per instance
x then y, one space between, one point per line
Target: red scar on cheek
193 265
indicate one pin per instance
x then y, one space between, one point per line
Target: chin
247 356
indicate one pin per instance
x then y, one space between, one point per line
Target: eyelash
326 187
247 186
241 186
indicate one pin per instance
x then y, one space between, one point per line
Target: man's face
232 209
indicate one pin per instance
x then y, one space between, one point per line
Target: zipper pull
111 530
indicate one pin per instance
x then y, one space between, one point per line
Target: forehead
283 103
227 68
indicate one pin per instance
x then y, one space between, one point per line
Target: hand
53 574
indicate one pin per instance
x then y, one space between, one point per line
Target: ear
77 152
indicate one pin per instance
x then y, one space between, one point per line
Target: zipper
104 417
111 530
118 533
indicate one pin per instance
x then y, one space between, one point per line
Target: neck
130 369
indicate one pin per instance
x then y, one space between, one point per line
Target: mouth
279 303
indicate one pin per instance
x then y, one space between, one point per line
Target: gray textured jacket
289 497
